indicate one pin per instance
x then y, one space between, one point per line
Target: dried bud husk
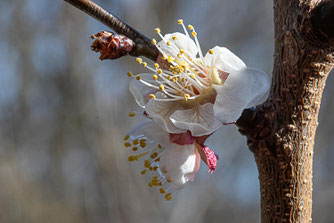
111 46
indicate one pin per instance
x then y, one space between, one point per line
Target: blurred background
63 116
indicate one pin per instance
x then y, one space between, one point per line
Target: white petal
241 90
200 119
153 132
160 112
141 91
179 164
182 42
225 60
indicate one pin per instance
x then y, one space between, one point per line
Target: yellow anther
190 27
192 76
152 96
183 79
155 77
186 96
135 142
194 34
147 163
169 43
180 21
157 159
143 172
168 197
170 59
156 65
142 145
132 158
174 79
132 114
139 60
127 144
135 148
159 71
150 184
160 146
155 168
161 87
138 77
169 77
210 51
179 55
126 137
144 64
157 30
154 42
154 177
164 57
174 37
169 181
130 74
142 140
162 190
155 182
182 51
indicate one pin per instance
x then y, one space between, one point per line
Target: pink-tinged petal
242 89
140 91
224 60
208 156
200 119
181 138
179 164
160 112
182 42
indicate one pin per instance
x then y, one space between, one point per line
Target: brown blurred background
63 116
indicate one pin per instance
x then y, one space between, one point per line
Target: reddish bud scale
110 45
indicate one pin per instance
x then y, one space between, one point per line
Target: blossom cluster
186 97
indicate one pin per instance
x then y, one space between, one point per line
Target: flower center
187 77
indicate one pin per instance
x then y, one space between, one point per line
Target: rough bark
281 133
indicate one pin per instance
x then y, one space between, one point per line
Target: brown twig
143 45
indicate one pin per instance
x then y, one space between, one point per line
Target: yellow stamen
127 144
135 142
159 71
132 158
192 76
156 65
126 137
164 57
190 27
157 30
210 51
168 197
135 148
180 21
144 64
139 60
174 37
179 55
182 51
162 190
132 114
152 96
161 87
169 43
186 96
143 172
155 77
194 34
130 74
138 77
154 42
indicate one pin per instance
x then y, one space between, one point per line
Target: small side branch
143 45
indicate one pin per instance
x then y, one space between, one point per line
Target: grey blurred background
63 116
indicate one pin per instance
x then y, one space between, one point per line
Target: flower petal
200 119
182 42
160 112
179 164
225 60
140 91
155 133
241 90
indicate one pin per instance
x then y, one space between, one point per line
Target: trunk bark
281 131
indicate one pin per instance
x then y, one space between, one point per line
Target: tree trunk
282 130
